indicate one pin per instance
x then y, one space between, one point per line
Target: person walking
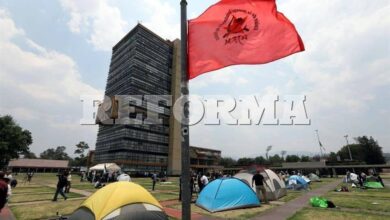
62 182
154 180
3 191
258 179
68 183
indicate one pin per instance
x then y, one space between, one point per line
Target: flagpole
319 142
185 163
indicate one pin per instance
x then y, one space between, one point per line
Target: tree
305 158
81 160
372 151
332 157
292 158
14 140
245 161
260 160
275 159
366 149
227 162
356 151
55 154
29 155
316 157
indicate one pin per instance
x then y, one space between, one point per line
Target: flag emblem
236 26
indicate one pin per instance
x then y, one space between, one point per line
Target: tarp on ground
319 202
275 187
110 167
225 194
120 200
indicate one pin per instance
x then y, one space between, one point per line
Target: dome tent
225 194
275 187
120 200
313 177
297 182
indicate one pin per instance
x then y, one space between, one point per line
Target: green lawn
45 210
230 214
334 214
367 204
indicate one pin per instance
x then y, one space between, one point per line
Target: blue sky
54 51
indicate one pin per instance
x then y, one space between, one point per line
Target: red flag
239 32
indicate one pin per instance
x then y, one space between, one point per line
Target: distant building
205 159
37 165
143 63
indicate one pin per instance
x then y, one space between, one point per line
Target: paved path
291 207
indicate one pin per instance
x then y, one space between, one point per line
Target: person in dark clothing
61 184
3 191
154 180
200 184
258 179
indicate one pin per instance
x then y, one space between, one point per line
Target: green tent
373 185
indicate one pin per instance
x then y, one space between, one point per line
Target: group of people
362 177
63 185
7 182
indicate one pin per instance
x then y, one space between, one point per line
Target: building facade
142 63
205 160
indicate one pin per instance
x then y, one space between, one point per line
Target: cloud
100 21
41 88
163 18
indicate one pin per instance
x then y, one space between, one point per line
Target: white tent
109 167
274 186
313 177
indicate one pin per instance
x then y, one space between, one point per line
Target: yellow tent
125 199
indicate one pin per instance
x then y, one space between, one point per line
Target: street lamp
349 149
283 153
268 149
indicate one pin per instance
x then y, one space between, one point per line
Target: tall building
143 63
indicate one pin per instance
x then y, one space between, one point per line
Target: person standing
258 179
154 179
62 181
68 183
204 180
3 191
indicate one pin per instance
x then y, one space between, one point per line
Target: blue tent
301 183
227 193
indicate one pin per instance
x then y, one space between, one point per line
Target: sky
52 52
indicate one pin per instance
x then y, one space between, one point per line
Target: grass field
230 214
33 201
369 204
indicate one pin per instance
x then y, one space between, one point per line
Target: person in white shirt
69 183
204 180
